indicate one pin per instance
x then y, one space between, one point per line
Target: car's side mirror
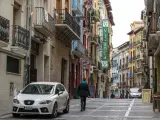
61 92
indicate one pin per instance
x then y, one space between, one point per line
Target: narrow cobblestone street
106 109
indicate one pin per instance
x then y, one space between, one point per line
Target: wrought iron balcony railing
20 37
65 18
96 15
126 65
43 21
78 46
86 52
138 56
130 75
138 70
4 29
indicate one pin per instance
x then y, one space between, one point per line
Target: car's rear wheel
66 110
15 115
54 111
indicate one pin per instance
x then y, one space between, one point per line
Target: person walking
83 92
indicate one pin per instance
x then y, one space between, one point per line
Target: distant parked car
41 98
135 93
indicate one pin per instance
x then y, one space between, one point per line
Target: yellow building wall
158 73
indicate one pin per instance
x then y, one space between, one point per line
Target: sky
124 13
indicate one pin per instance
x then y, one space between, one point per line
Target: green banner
105 44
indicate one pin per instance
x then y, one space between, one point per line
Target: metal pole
150 71
30 35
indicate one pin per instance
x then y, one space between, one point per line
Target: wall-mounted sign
146 96
105 44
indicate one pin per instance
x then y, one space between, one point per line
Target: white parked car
41 98
135 93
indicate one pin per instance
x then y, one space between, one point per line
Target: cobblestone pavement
107 109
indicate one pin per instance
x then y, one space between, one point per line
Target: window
46 5
38 89
13 65
61 88
58 87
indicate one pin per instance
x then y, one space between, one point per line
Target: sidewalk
6 106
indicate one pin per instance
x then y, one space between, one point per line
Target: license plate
28 108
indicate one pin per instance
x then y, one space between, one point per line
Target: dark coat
83 90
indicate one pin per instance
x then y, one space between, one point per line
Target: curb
70 107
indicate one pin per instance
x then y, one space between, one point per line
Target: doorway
46 68
63 71
33 70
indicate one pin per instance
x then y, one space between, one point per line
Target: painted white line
110 116
93 111
129 109
99 110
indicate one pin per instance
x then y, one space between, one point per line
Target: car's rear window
135 90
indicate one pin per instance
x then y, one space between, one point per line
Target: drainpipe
30 35
70 73
151 57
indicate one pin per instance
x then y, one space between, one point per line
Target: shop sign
105 44
146 96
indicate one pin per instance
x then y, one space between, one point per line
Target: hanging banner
105 44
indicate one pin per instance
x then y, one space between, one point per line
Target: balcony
77 7
134 58
67 28
138 71
78 48
4 32
20 37
149 6
130 75
94 39
138 56
130 59
95 15
43 22
126 65
86 52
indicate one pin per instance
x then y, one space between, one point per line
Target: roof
123 45
46 83
135 31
